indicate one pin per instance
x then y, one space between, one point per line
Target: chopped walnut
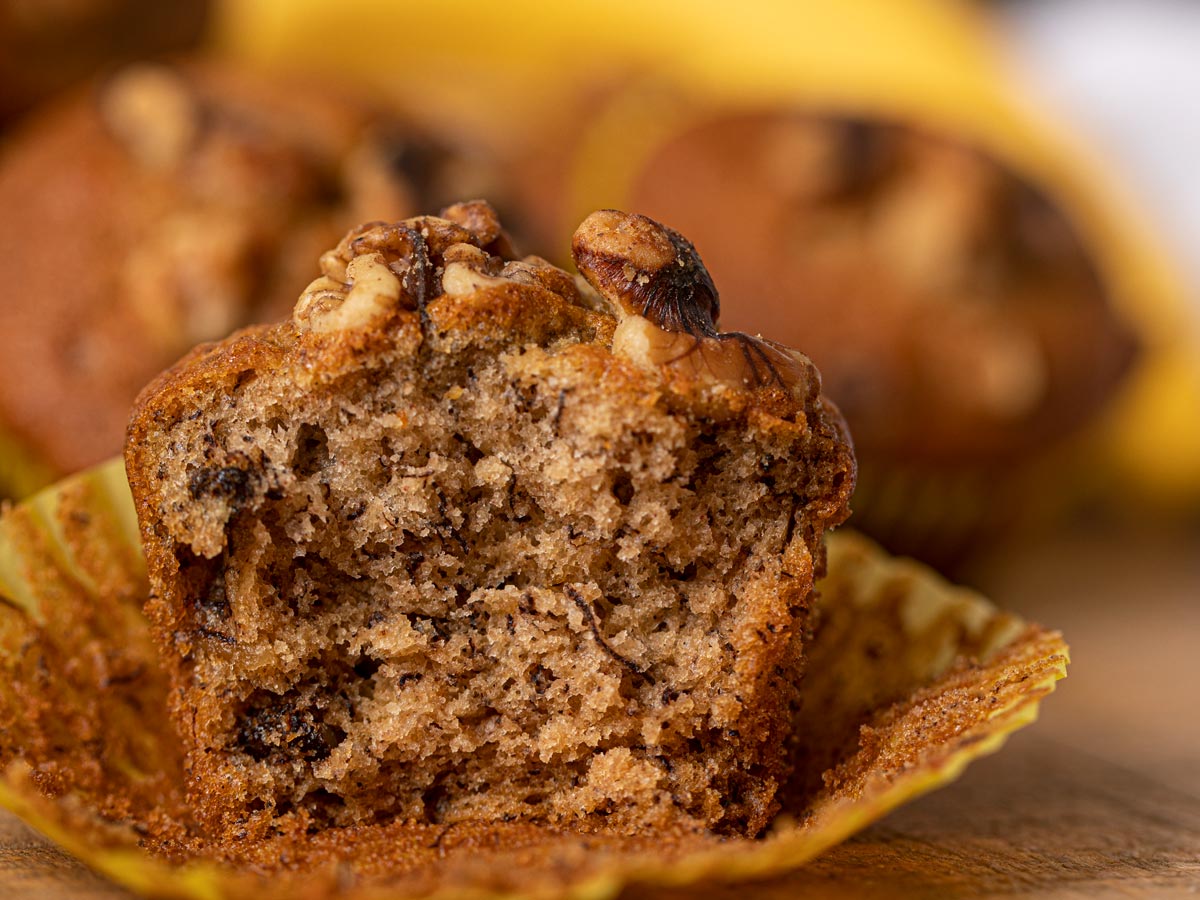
656 284
644 268
370 292
478 217
735 361
400 273
427 256
467 269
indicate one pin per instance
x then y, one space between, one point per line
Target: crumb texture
448 557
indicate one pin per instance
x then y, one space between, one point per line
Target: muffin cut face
470 539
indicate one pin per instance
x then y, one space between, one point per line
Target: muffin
956 316
167 206
471 539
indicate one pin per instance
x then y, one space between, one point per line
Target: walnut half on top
470 538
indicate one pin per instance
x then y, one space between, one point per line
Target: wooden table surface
1099 799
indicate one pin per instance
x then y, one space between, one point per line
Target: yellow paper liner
908 680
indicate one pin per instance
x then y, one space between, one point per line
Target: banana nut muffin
169 205
470 538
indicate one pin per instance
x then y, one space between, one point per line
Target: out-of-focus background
982 221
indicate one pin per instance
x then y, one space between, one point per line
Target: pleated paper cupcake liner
908 680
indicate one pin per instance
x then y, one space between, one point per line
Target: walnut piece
644 268
410 263
735 361
657 285
370 292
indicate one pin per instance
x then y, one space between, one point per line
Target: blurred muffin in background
46 45
957 319
168 206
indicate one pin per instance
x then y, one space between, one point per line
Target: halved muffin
471 538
